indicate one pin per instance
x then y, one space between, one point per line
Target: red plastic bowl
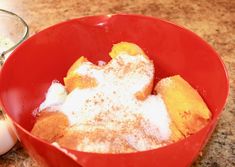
27 74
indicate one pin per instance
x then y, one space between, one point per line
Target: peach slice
80 81
76 64
74 80
187 110
130 48
50 125
133 50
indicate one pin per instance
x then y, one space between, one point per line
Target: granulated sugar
113 105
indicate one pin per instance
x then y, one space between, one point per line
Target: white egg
7 137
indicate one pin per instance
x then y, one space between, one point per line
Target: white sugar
55 96
138 141
156 119
113 102
91 146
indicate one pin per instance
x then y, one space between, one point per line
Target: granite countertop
213 20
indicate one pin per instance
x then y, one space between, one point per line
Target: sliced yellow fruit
187 110
74 80
76 64
79 81
130 48
50 125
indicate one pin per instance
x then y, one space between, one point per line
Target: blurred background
213 20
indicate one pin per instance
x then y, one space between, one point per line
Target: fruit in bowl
28 73
109 108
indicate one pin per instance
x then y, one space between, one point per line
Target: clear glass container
13 31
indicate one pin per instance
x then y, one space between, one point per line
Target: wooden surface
213 20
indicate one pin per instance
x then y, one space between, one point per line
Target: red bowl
27 74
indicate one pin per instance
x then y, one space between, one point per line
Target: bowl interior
27 74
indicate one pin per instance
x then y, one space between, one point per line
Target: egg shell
7 137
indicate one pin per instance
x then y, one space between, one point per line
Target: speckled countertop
213 20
